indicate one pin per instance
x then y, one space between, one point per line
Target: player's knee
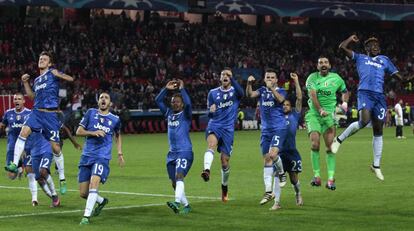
44 173
377 132
11 175
83 195
315 146
179 176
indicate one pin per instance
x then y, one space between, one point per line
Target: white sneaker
276 206
267 197
335 145
377 172
299 200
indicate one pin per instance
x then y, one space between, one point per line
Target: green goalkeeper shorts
317 123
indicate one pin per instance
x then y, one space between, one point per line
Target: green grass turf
361 202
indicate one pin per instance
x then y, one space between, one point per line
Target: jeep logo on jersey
101 127
16 125
369 62
226 104
323 92
173 123
41 86
268 103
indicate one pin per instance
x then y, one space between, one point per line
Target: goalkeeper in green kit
322 87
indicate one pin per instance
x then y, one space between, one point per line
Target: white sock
18 149
180 193
349 131
225 173
60 165
99 199
51 185
276 189
267 178
377 147
208 158
279 165
46 189
32 185
90 202
296 187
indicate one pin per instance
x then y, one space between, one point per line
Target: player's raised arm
62 75
344 45
27 87
298 104
186 100
249 90
237 87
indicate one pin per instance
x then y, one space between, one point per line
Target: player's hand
322 112
77 146
354 38
294 76
25 77
180 84
172 85
213 108
251 79
121 160
99 133
344 106
269 84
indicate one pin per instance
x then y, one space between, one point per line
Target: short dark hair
47 53
270 70
19 93
227 69
323 57
105 92
177 95
371 39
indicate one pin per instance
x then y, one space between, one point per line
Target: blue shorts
89 166
179 162
41 161
46 122
27 161
374 102
272 139
292 162
225 139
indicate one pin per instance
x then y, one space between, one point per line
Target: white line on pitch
127 193
77 211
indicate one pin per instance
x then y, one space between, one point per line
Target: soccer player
41 158
44 117
399 120
180 155
13 119
98 126
292 161
371 99
222 103
322 87
274 127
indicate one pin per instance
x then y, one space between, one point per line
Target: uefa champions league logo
235 6
339 10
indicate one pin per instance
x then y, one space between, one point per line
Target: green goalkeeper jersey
326 88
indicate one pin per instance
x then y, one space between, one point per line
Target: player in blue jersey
41 160
44 117
222 103
274 129
372 107
292 161
13 119
98 126
180 155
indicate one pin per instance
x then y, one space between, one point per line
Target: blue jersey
38 145
178 123
271 111
293 121
46 89
371 71
14 122
100 147
227 103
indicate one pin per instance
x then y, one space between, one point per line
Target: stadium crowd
134 67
